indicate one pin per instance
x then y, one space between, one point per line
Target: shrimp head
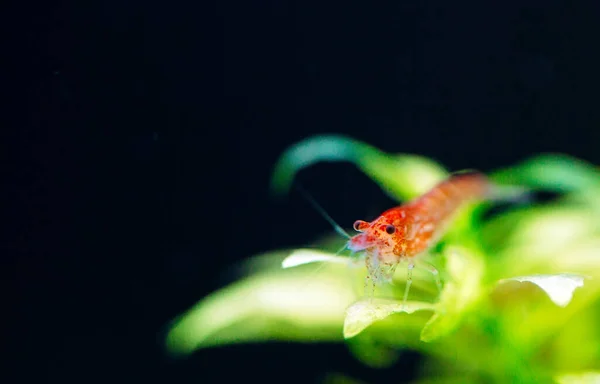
380 237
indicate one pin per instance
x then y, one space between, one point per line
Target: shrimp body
409 230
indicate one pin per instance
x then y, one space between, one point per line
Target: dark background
140 139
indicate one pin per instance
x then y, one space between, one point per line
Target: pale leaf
306 256
365 312
559 287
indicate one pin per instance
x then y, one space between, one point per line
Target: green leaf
559 287
286 305
546 239
554 172
460 292
401 176
369 350
363 313
534 318
569 354
540 227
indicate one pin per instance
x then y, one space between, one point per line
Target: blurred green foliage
521 289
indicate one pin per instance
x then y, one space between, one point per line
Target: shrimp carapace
407 231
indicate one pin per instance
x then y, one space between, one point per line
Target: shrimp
408 231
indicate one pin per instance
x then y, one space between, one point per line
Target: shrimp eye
390 229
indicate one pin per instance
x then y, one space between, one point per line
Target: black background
140 139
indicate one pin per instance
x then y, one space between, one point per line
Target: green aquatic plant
521 288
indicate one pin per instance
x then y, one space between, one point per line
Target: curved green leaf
554 172
401 176
285 305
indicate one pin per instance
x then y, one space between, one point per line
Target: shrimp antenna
320 209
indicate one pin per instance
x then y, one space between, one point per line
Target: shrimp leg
369 283
388 275
372 277
434 272
409 270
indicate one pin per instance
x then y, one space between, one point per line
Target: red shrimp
407 231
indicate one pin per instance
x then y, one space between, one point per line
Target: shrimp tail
495 192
